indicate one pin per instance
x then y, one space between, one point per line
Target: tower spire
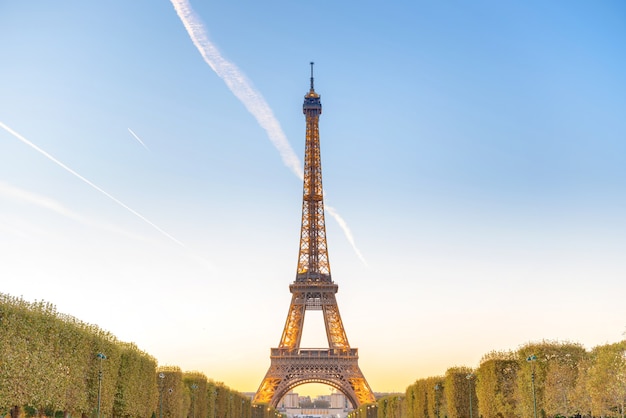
312 88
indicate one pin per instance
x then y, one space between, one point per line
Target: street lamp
470 377
101 357
193 400
621 376
437 388
215 403
532 359
161 377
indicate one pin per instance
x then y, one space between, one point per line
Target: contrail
238 84
344 226
20 195
60 164
137 138
243 89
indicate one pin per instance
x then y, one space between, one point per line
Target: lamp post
214 403
621 376
161 377
101 357
532 359
193 400
437 388
469 378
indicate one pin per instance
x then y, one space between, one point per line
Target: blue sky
476 151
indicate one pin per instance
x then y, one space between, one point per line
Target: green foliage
227 403
567 381
221 400
49 363
606 379
495 389
425 399
392 406
44 357
198 395
458 389
136 392
415 400
553 374
561 379
171 391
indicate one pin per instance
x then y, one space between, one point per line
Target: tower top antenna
312 99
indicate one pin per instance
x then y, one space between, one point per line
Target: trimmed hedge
562 378
53 363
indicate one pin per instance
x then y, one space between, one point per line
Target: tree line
544 379
55 365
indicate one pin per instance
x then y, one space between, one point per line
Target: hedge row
552 378
53 364
190 394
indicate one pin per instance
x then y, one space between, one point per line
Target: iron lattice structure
313 289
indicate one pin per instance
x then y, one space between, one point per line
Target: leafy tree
553 372
411 400
170 391
418 399
55 365
221 401
561 379
14 354
435 396
103 371
137 392
580 396
73 352
606 379
391 406
212 397
495 390
460 392
196 385
305 403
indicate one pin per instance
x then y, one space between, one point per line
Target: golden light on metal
313 289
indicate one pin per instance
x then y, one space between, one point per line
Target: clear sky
475 150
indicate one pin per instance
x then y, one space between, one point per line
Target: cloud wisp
19 195
137 138
251 98
94 186
16 194
238 84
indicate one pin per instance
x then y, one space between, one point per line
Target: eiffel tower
313 289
